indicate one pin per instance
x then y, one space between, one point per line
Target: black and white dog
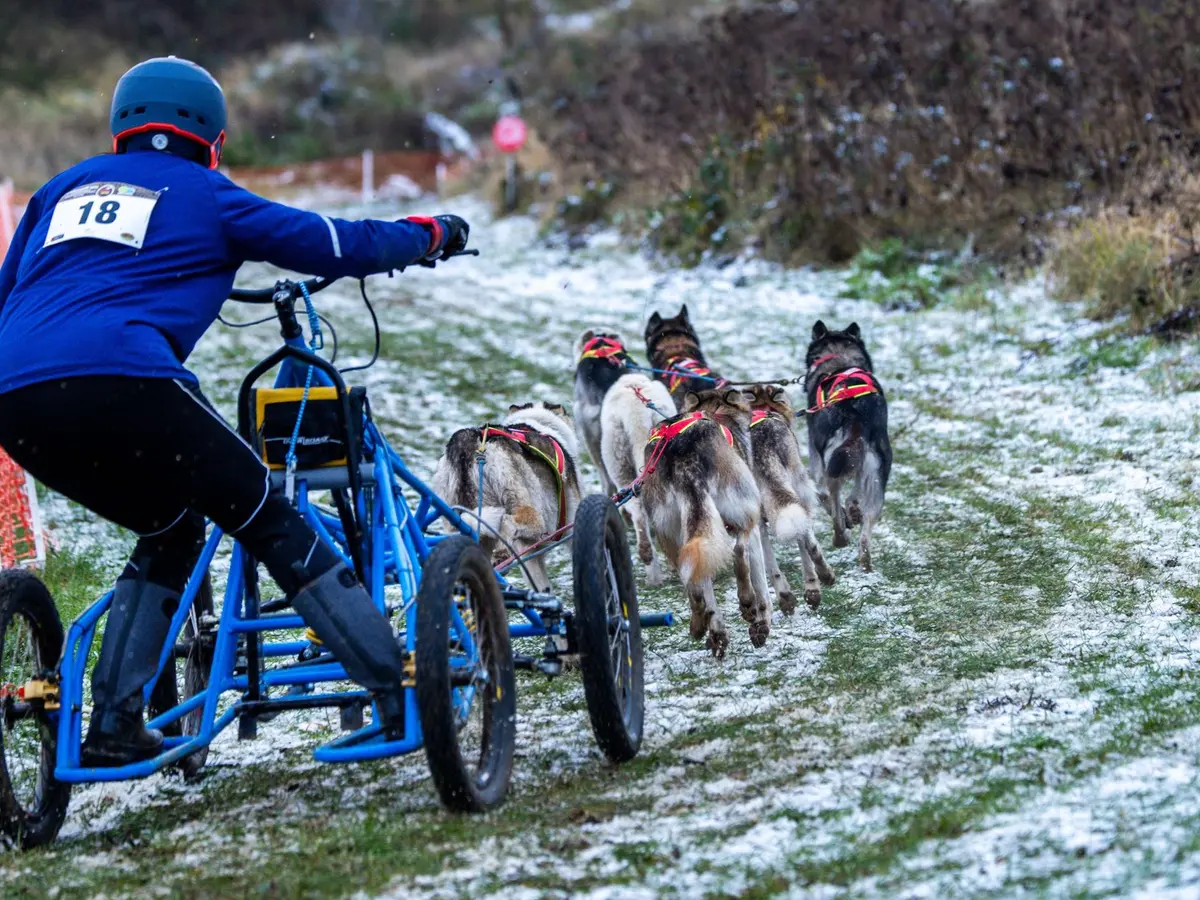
847 433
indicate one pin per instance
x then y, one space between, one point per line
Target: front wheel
466 685
607 628
33 804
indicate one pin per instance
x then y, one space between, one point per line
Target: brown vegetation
816 127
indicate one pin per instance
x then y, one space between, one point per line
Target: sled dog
673 348
530 484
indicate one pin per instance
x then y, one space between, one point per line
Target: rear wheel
33 804
466 685
607 628
186 675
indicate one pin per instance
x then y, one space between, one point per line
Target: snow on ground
1004 706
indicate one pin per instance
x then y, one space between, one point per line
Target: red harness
761 414
667 431
603 348
558 463
682 368
844 385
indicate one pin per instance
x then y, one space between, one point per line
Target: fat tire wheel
465 784
196 666
608 630
26 604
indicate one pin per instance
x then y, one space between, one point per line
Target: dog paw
759 632
717 642
787 602
840 539
655 577
812 596
827 577
854 514
864 562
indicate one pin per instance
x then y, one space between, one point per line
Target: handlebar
283 290
267 295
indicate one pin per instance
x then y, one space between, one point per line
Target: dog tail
455 479
708 548
792 522
846 456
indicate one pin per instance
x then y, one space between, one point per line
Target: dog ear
587 336
556 407
852 330
655 320
735 398
517 407
750 395
780 396
683 313
690 401
819 330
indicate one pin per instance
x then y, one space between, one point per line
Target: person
117 268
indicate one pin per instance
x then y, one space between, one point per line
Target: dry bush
818 126
1134 266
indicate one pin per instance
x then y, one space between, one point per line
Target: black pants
153 456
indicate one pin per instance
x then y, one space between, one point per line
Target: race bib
108 211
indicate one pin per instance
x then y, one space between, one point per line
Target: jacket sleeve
259 230
12 259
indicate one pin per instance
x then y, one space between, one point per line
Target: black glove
451 233
455 232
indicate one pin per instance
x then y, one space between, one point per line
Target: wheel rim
620 644
473 701
20 730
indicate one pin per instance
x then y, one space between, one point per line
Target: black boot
138 622
340 611
118 738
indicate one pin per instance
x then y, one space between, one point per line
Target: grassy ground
1006 706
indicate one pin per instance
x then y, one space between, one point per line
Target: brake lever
432 263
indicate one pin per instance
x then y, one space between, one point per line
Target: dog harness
761 414
603 348
667 431
557 463
683 368
845 385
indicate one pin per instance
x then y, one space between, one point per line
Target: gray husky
847 433
704 507
530 484
787 493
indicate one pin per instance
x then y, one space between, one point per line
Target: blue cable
315 344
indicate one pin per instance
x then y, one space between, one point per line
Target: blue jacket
95 307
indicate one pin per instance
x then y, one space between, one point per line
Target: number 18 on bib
108 212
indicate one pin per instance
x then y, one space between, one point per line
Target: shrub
1130 266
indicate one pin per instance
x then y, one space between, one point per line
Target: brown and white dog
788 496
847 432
530 484
704 508
673 347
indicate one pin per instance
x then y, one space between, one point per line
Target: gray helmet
170 95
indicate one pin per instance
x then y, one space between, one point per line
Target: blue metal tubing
657 620
74 665
284 648
265 623
77 775
184 609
